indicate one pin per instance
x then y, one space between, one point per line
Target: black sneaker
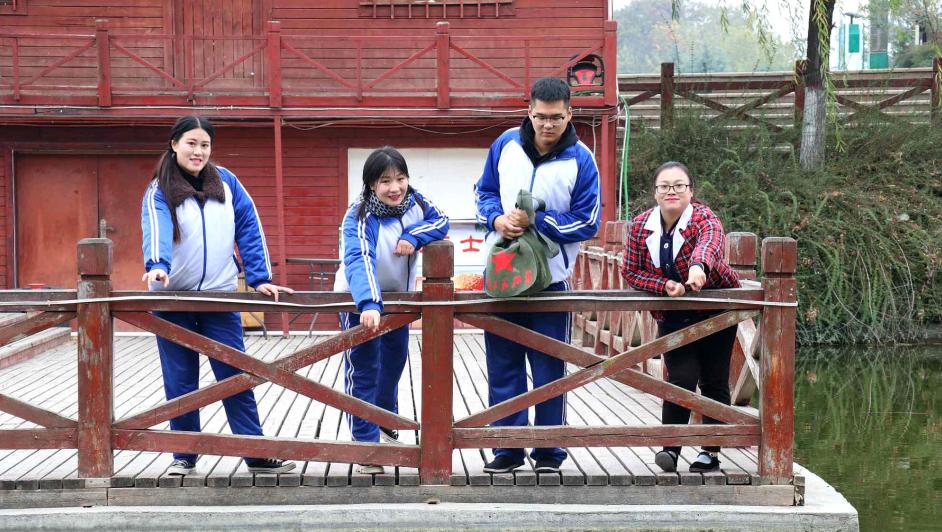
268 465
388 435
666 460
181 467
503 464
705 462
547 465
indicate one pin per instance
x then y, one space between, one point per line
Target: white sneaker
370 469
181 467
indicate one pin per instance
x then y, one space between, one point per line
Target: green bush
868 224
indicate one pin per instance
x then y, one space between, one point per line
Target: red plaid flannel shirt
704 243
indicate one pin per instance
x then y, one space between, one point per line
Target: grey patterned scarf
377 208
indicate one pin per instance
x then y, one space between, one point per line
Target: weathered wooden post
103 40
95 360
777 364
741 254
437 443
443 60
610 52
274 64
667 95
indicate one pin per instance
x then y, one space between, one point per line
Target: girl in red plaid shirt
673 248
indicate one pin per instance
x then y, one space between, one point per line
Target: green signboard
853 40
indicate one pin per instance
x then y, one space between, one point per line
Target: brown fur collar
181 189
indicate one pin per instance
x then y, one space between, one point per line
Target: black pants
704 363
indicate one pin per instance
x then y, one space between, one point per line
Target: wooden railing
775 100
96 434
598 267
432 69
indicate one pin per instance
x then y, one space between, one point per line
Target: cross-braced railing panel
276 373
606 368
238 383
631 376
58 432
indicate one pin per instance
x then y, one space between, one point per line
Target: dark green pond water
869 421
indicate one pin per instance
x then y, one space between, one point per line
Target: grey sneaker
181 467
370 469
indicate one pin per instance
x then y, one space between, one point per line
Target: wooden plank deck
598 475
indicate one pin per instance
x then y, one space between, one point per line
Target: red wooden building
299 91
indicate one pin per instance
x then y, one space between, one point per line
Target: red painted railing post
437 442
667 95
443 41
610 53
274 63
103 40
16 68
935 94
777 364
95 360
741 254
800 66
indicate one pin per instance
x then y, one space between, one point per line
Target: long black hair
168 171
376 164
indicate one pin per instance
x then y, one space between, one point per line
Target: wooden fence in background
776 99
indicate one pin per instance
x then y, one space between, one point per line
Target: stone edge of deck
830 511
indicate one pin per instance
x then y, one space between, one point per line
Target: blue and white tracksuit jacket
204 259
569 184
373 368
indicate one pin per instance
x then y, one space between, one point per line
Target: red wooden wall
315 168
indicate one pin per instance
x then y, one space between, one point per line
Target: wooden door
61 199
223 31
121 184
56 206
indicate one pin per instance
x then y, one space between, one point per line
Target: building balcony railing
435 71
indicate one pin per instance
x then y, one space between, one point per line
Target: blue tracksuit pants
181 371
507 373
371 373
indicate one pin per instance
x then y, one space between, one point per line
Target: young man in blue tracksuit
381 234
192 216
543 155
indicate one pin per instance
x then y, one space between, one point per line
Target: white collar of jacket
654 225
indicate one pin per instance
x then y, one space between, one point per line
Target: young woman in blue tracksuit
192 216
381 234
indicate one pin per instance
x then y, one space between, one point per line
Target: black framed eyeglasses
679 188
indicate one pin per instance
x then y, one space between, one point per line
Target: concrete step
30 346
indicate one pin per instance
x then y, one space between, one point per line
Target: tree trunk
813 122
811 155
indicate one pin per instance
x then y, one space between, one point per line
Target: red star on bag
503 261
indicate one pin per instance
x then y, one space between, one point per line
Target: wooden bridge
87 424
